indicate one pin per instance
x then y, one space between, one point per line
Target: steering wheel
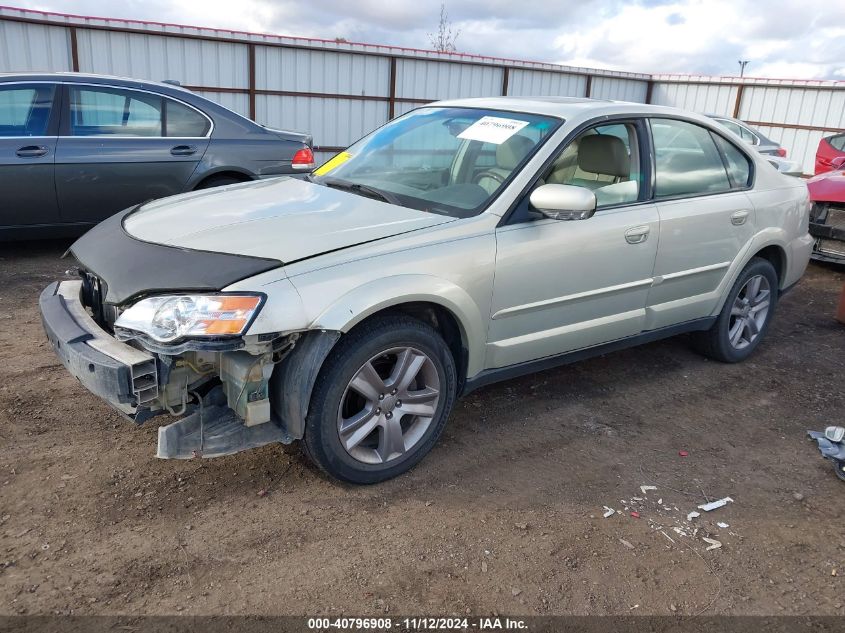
489 174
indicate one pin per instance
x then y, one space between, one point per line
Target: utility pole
742 65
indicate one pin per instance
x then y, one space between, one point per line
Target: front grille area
93 291
831 247
836 217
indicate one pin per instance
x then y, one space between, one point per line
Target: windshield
451 161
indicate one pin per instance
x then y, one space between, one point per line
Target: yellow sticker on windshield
332 163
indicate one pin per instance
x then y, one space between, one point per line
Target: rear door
706 218
122 146
28 129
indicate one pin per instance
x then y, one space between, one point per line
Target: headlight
171 317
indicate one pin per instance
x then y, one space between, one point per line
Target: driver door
562 286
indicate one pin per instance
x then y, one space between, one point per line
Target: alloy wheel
749 312
388 405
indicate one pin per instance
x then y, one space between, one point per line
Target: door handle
183 150
738 218
31 151
637 235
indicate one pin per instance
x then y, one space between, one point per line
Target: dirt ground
505 516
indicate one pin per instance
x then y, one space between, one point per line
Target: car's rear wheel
745 317
381 400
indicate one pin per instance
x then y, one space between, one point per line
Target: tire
742 313
219 181
371 412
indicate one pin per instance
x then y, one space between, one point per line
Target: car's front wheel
381 400
745 317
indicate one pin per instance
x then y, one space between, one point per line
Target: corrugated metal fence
339 90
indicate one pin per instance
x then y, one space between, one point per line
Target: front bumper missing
123 376
215 431
830 242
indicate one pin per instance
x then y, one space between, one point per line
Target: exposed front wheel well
442 320
776 256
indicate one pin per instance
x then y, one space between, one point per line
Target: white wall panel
440 80
332 122
33 47
302 70
822 108
698 97
192 62
539 83
237 102
618 89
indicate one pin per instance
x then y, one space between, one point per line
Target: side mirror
564 202
838 162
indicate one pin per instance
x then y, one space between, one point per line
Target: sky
780 38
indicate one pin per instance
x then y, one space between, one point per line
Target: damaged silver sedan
460 244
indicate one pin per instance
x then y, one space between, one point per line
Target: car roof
72 77
567 107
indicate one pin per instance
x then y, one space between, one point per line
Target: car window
687 161
837 142
184 121
748 135
25 110
443 160
98 111
733 127
603 159
739 167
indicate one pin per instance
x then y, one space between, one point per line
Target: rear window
105 111
184 121
687 161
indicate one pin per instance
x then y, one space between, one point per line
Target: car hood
827 187
284 219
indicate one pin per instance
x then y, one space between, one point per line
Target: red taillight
781 152
303 159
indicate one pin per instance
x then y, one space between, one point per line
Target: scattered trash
484 566
608 512
635 514
626 543
832 572
714 544
262 493
683 453
515 592
714 505
645 489
692 515
660 502
667 536
723 525
798 496
832 446
521 526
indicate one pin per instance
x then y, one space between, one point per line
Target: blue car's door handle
183 150
31 151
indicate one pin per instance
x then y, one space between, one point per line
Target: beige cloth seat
597 161
508 155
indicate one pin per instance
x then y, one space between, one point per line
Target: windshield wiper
364 190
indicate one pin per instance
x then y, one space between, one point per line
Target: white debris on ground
671 521
715 505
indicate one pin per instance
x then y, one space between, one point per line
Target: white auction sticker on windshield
492 129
